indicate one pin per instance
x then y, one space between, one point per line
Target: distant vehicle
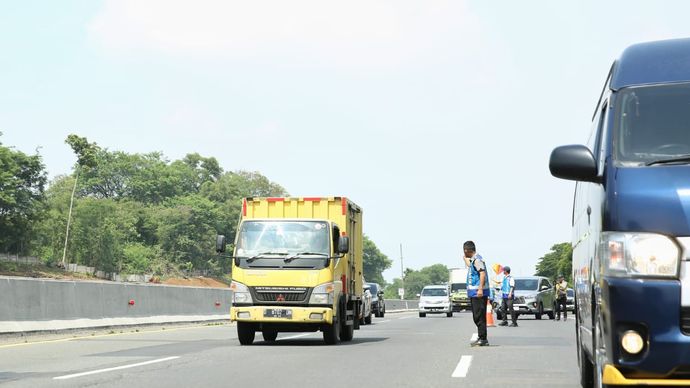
378 304
458 289
435 300
630 221
534 295
570 302
365 316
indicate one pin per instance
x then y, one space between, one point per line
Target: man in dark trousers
561 298
477 290
508 291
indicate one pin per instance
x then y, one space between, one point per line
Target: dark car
378 305
570 302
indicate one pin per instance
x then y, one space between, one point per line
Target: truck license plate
277 313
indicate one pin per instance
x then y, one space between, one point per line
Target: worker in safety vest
478 290
508 291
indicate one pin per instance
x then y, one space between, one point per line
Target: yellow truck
297 267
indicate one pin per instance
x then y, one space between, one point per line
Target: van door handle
589 214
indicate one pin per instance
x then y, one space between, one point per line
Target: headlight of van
639 254
322 294
240 293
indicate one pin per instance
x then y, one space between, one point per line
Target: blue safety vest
505 287
473 277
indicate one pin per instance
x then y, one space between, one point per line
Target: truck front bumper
322 315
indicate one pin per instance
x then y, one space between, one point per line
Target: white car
435 300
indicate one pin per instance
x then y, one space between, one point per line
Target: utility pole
402 273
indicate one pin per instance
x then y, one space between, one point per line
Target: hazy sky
437 117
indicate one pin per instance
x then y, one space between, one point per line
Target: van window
652 124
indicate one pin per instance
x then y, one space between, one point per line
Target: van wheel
245 333
331 332
599 352
450 314
422 315
540 312
269 335
552 313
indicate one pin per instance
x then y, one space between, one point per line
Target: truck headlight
240 293
639 254
322 294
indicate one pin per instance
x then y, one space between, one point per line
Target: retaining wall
41 304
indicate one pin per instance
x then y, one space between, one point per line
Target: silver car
534 295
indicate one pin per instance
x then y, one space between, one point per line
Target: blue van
631 222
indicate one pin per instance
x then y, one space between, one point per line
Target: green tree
559 261
375 262
22 185
86 157
416 280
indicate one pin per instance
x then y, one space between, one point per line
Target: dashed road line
463 367
93 372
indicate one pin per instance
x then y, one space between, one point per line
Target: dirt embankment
195 282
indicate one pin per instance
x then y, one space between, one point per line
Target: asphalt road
400 350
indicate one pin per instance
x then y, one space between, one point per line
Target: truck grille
685 320
280 294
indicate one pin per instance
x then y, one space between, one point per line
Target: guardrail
401 305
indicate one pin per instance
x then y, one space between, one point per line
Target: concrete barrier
401 305
41 304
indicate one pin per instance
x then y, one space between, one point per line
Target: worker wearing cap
508 291
561 298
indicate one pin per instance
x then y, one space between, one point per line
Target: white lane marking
463 367
295 336
387 320
474 337
93 372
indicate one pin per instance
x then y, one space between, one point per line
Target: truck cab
631 222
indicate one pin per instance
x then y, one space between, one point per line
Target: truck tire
331 332
347 332
245 333
269 335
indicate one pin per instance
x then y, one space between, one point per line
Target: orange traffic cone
489 315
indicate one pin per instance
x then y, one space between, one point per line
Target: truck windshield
652 125
283 244
525 284
457 287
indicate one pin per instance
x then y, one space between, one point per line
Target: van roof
664 61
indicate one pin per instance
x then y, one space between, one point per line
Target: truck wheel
331 332
540 312
383 311
347 332
422 315
245 333
269 335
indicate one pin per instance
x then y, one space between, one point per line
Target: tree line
131 213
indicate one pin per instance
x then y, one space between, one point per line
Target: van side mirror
544 288
343 244
220 243
573 162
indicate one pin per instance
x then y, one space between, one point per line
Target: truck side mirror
220 243
343 244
